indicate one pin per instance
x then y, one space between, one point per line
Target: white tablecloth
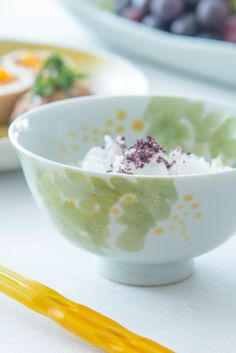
194 316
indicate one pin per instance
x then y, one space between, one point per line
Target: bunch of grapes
214 19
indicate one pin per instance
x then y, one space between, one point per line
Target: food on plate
14 82
146 157
31 60
29 79
214 19
56 80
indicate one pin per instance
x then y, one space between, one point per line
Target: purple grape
191 4
212 14
185 25
230 29
167 10
203 18
132 13
153 21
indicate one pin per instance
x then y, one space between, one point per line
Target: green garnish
56 74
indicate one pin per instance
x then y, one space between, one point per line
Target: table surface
197 315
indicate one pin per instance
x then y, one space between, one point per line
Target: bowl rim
13 130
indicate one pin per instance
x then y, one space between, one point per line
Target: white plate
110 75
215 60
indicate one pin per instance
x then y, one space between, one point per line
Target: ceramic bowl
146 229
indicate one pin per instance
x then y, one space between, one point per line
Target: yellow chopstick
76 318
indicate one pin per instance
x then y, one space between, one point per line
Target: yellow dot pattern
110 122
120 129
198 215
96 131
115 125
138 125
195 205
188 198
87 202
71 202
181 222
72 134
85 138
159 231
91 199
115 211
121 115
128 199
185 209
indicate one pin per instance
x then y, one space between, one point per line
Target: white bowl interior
63 132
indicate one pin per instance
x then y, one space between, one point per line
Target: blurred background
49 21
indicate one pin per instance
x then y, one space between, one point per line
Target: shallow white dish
108 77
214 60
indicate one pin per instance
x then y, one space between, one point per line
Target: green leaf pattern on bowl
182 122
81 205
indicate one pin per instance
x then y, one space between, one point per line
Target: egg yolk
30 60
6 77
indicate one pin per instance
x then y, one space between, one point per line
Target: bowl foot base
145 274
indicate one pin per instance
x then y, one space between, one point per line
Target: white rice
114 157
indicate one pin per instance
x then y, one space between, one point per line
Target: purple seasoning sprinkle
170 165
165 162
125 171
141 154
